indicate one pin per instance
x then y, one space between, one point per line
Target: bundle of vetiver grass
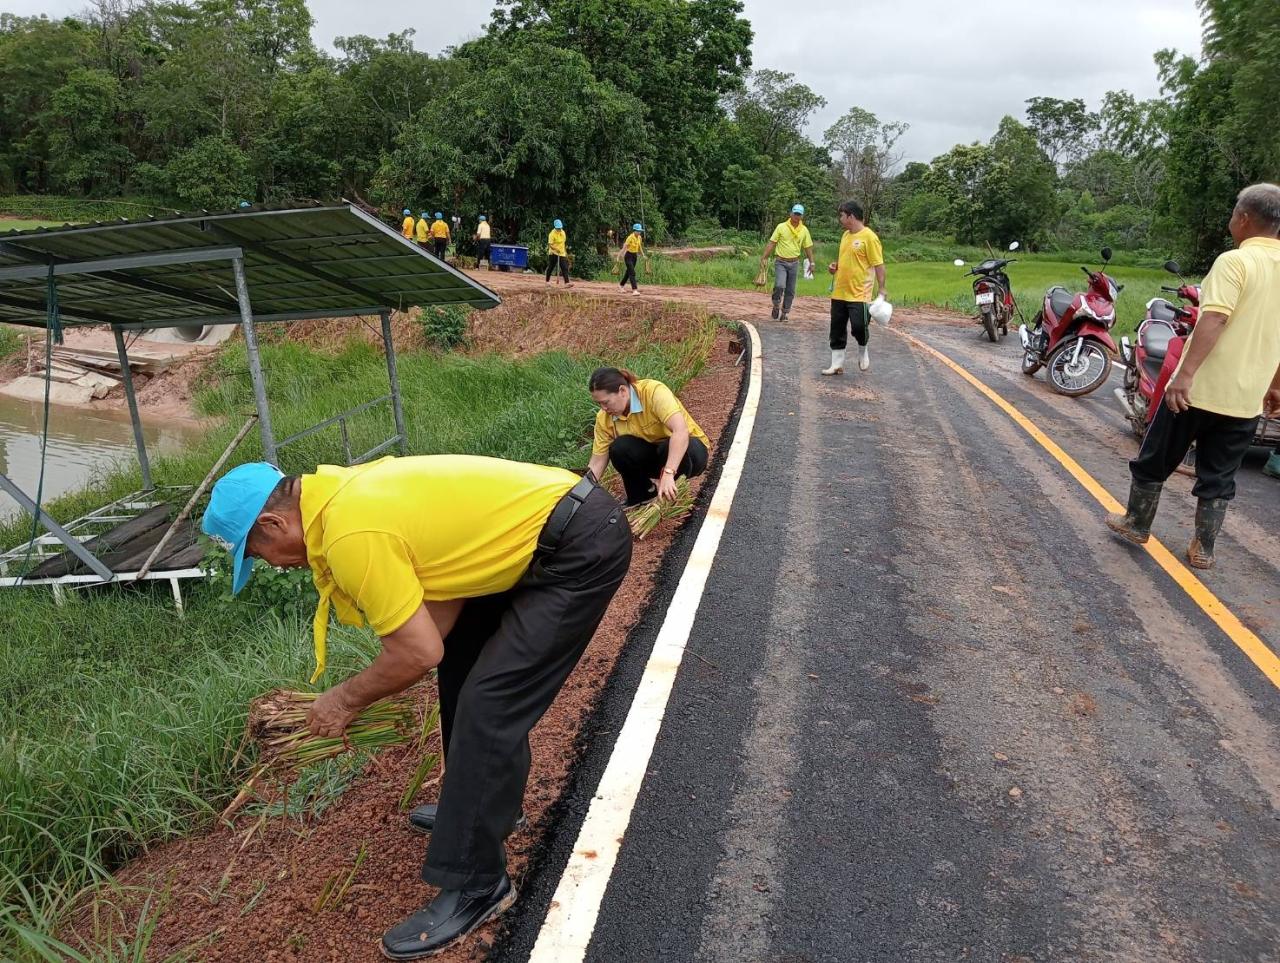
278 724
645 518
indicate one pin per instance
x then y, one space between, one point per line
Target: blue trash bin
508 256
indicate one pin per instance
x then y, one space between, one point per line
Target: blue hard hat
423 215
798 209
638 227
235 504
481 218
438 215
408 213
558 224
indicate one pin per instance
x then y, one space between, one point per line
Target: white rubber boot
837 364
864 359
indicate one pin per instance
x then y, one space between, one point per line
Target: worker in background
406 227
644 430
439 236
422 232
861 255
632 251
789 239
1228 377
493 572
483 239
558 253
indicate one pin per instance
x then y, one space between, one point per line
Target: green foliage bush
445 326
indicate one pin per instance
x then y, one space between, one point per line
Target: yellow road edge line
1246 640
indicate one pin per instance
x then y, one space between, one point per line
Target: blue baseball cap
235 504
482 217
798 209
638 227
438 215
557 223
423 215
407 211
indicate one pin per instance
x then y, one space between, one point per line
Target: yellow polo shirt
406 228
384 537
439 229
634 243
652 403
556 241
1243 284
482 230
860 252
422 229
791 241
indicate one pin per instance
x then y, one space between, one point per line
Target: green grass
121 719
919 276
19 224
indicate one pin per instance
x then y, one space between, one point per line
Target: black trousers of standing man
629 259
1221 444
639 462
846 316
504 663
558 259
440 245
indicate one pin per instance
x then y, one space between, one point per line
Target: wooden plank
67 564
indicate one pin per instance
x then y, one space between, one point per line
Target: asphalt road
933 711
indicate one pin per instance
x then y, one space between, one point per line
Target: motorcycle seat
1162 310
1156 338
1060 301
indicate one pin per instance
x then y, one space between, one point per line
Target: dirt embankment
246 892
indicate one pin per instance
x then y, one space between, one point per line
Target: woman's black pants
563 262
629 274
639 462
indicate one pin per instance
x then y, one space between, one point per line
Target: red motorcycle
1070 334
1151 362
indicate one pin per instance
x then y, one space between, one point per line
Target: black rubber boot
1210 513
1135 523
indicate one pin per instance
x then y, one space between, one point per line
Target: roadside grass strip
1245 639
571 920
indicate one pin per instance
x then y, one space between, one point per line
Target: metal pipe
394 377
61 534
127 376
255 363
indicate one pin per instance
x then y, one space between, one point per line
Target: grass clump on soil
121 720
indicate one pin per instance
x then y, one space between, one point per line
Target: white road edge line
571 919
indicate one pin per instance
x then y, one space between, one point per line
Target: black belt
562 514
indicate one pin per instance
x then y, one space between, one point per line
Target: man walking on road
789 239
1229 374
861 255
632 251
496 572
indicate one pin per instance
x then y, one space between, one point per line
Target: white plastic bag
808 270
881 311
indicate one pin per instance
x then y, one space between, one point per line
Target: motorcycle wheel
1087 374
1031 363
989 325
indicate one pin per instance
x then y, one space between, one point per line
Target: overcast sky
949 69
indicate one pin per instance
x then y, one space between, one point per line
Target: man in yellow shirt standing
632 251
497 573
861 255
789 239
406 226
1228 376
558 253
482 237
439 235
422 231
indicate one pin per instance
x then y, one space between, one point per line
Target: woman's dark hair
853 208
610 379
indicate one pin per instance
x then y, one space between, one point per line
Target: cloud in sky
951 70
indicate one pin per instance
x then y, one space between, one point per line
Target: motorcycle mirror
1106 254
1014 246
958 262
1173 267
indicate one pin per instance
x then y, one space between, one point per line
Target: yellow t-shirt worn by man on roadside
384 537
556 241
860 252
439 230
482 230
1243 284
791 241
634 243
406 228
422 230
652 403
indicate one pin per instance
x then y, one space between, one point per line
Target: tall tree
1063 128
866 152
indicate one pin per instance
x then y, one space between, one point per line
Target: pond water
83 444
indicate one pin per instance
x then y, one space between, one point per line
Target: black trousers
846 316
504 663
629 274
482 250
639 462
563 262
439 246
1221 444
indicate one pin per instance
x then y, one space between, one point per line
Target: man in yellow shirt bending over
1228 376
646 432
789 239
861 255
495 573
